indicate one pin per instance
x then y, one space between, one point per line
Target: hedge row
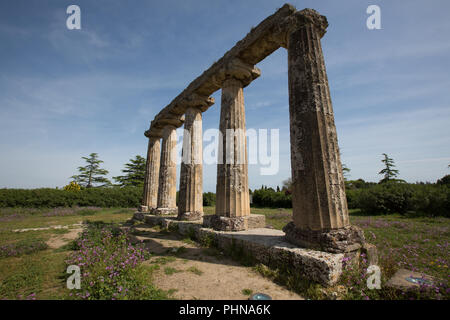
407 199
270 198
128 197
386 198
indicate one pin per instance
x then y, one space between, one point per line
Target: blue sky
67 93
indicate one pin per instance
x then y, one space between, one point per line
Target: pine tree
91 175
345 171
134 173
388 172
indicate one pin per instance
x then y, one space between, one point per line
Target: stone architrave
190 203
151 180
167 192
320 213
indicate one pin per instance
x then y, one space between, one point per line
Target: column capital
238 70
312 17
203 102
153 133
305 17
199 102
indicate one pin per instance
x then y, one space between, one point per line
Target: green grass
419 244
169 271
247 292
414 243
195 270
38 270
39 273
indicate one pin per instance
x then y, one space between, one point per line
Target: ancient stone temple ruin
320 215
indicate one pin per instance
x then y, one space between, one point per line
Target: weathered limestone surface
167 173
232 193
190 204
254 221
151 181
318 198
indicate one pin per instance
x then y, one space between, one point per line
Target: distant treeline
395 196
372 198
106 197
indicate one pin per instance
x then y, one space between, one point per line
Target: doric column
167 192
190 202
232 193
320 214
151 181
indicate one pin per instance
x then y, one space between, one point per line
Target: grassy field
31 270
39 272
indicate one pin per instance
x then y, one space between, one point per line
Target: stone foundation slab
267 246
164 211
253 221
190 216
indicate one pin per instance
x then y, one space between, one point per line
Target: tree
345 171
388 172
287 185
92 175
134 173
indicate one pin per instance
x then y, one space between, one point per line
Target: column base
143 209
190 216
341 240
222 223
165 211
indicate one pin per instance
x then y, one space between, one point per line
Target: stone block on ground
406 280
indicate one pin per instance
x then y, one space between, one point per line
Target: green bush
386 198
353 198
111 266
209 199
412 199
431 200
91 197
272 199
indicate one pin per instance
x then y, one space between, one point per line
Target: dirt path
193 272
57 241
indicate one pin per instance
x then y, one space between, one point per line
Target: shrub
271 198
386 198
209 199
72 186
52 198
431 200
411 199
22 247
110 266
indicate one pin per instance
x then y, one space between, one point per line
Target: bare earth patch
193 272
60 240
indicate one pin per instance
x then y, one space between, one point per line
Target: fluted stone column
232 193
320 213
167 192
190 203
151 180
